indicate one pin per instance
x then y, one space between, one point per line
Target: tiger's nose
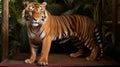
35 19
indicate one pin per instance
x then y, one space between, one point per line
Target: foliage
17 30
91 5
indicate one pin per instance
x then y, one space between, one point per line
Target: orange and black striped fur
44 27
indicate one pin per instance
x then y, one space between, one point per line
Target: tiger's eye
31 8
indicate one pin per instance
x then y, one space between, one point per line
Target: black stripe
62 23
72 22
66 23
77 23
59 26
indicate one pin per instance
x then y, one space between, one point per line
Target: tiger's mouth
35 24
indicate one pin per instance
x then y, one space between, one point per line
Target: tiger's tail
98 40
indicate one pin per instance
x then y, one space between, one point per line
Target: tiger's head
34 13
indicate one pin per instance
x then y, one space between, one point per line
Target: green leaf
108 33
87 6
69 12
21 21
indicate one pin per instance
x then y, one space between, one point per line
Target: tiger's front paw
29 61
42 62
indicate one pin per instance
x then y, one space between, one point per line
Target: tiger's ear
25 3
44 3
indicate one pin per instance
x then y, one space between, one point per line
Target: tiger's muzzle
38 21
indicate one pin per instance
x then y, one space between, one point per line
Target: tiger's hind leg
93 55
90 43
82 51
77 54
79 45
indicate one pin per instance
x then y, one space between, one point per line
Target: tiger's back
71 25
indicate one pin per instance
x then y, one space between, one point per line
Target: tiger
44 28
